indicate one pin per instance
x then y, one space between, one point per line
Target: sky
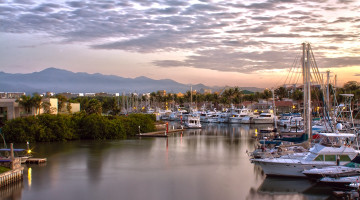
217 43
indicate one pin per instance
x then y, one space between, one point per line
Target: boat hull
287 168
263 121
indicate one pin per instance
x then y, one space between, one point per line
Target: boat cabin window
330 158
319 158
266 115
344 158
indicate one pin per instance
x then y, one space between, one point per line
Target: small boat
350 169
23 154
341 181
322 154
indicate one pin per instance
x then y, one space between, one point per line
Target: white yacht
192 121
328 152
265 118
224 117
239 114
290 120
247 119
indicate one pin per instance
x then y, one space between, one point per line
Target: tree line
65 127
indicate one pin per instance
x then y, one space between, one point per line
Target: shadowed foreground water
206 164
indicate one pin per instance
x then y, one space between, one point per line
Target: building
11 95
49 105
162 93
9 109
73 108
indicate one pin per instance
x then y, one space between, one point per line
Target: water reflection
209 163
12 191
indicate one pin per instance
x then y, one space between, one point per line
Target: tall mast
328 88
190 97
307 92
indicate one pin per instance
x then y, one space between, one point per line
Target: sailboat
193 119
330 151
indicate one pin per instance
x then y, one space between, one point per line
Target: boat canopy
13 149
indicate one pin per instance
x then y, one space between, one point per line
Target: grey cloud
200 8
356 74
46 8
276 35
223 60
177 3
24 2
167 11
226 28
345 1
340 62
76 4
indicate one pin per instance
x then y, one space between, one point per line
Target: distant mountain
59 80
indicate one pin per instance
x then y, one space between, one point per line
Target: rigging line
316 67
298 73
294 68
291 69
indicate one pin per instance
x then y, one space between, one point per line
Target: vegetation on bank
50 128
3 169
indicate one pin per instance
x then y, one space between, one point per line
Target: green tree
26 102
93 107
36 102
61 101
281 93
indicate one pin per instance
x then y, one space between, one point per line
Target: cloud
224 35
356 74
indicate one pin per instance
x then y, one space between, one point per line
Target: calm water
206 164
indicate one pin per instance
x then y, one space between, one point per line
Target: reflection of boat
284 185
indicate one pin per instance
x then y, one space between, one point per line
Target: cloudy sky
235 43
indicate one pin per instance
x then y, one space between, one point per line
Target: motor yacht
329 151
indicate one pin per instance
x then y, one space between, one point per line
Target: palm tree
26 102
36 102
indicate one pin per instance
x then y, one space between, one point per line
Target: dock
36 160
11 176
160 133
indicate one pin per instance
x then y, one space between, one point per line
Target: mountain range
59 80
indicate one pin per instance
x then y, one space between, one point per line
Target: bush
49 128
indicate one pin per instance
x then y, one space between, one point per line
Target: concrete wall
11 107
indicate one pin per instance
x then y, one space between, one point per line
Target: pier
11 176
163 133
36 160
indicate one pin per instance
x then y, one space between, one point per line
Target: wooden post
12 155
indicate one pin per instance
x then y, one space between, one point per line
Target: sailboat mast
190 98
307 92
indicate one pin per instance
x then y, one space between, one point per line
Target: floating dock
160 133
36 160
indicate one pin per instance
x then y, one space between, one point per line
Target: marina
208 163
